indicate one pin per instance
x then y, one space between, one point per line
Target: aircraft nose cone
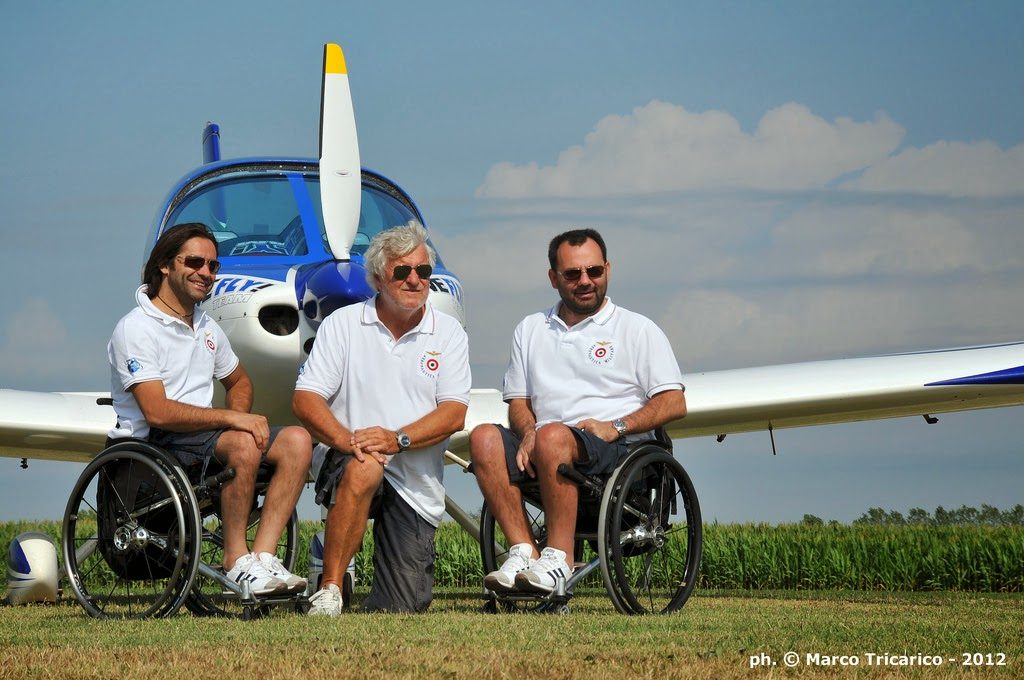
331 286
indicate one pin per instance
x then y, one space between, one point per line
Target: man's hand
525 452
254 424
599 428
375 442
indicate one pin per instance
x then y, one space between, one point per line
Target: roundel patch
601 352
211 344
430 364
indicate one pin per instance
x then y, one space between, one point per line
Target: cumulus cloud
663 147
976 169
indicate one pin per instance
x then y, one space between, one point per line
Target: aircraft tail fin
340 173
211 142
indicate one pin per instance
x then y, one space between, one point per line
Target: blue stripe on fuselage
1007 376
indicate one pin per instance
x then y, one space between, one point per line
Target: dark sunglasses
576 273
402 271
196 262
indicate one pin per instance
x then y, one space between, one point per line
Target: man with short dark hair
164 356
385 386
585 378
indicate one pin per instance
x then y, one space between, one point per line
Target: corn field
760 556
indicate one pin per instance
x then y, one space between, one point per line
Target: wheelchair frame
635 540
139 539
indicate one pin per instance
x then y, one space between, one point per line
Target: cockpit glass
279 214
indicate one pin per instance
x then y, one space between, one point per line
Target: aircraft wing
846 390
53 425
71 426
825 392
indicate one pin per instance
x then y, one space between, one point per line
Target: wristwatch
404 441
620 426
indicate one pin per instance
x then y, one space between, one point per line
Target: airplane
292 233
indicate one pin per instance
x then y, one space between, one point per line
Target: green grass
714 636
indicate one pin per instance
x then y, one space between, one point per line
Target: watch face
404 440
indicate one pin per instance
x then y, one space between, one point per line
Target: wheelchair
642 526
142 537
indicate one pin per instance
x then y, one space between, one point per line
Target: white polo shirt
368 378
605 367
148 344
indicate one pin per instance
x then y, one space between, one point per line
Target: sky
777 182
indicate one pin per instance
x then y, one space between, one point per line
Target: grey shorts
601 456
404 552
195 448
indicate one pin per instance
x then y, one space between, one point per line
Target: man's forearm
312 410
662 408
521 418
449 417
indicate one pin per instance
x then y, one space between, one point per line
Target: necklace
180 315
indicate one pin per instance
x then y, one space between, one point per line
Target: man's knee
361 478
555 444
292 448
238 450
486 445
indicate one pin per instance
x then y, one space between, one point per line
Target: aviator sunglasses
576 273
402 271
196 262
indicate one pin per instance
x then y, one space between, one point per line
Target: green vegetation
810 555
714 636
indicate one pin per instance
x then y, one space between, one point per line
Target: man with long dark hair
164 356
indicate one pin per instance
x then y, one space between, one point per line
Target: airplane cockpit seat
640 526
142 536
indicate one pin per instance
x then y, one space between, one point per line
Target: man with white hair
386 384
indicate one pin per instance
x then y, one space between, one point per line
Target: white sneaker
540 576
520 557
276 568
326 601
261 582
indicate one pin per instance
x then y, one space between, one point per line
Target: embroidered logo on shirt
133 365
430 363
210 344
601 352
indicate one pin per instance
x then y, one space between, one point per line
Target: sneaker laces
273 564
327 598
518 558
551 559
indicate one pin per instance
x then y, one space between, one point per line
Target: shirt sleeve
323 372
225 361
657 368
455 380
515 385
134 355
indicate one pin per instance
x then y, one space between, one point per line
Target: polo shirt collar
147 306
428 324
601 318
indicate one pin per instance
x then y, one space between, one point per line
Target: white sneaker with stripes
248 568
540 576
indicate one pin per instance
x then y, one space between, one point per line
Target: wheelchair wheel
208 597
130 534
650 533
494 547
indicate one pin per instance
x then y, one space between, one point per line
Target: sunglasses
576 273
197 263
402 271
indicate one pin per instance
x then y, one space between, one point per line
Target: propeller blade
340 175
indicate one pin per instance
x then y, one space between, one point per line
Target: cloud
977 169
663 147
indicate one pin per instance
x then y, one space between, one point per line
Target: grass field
714 636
